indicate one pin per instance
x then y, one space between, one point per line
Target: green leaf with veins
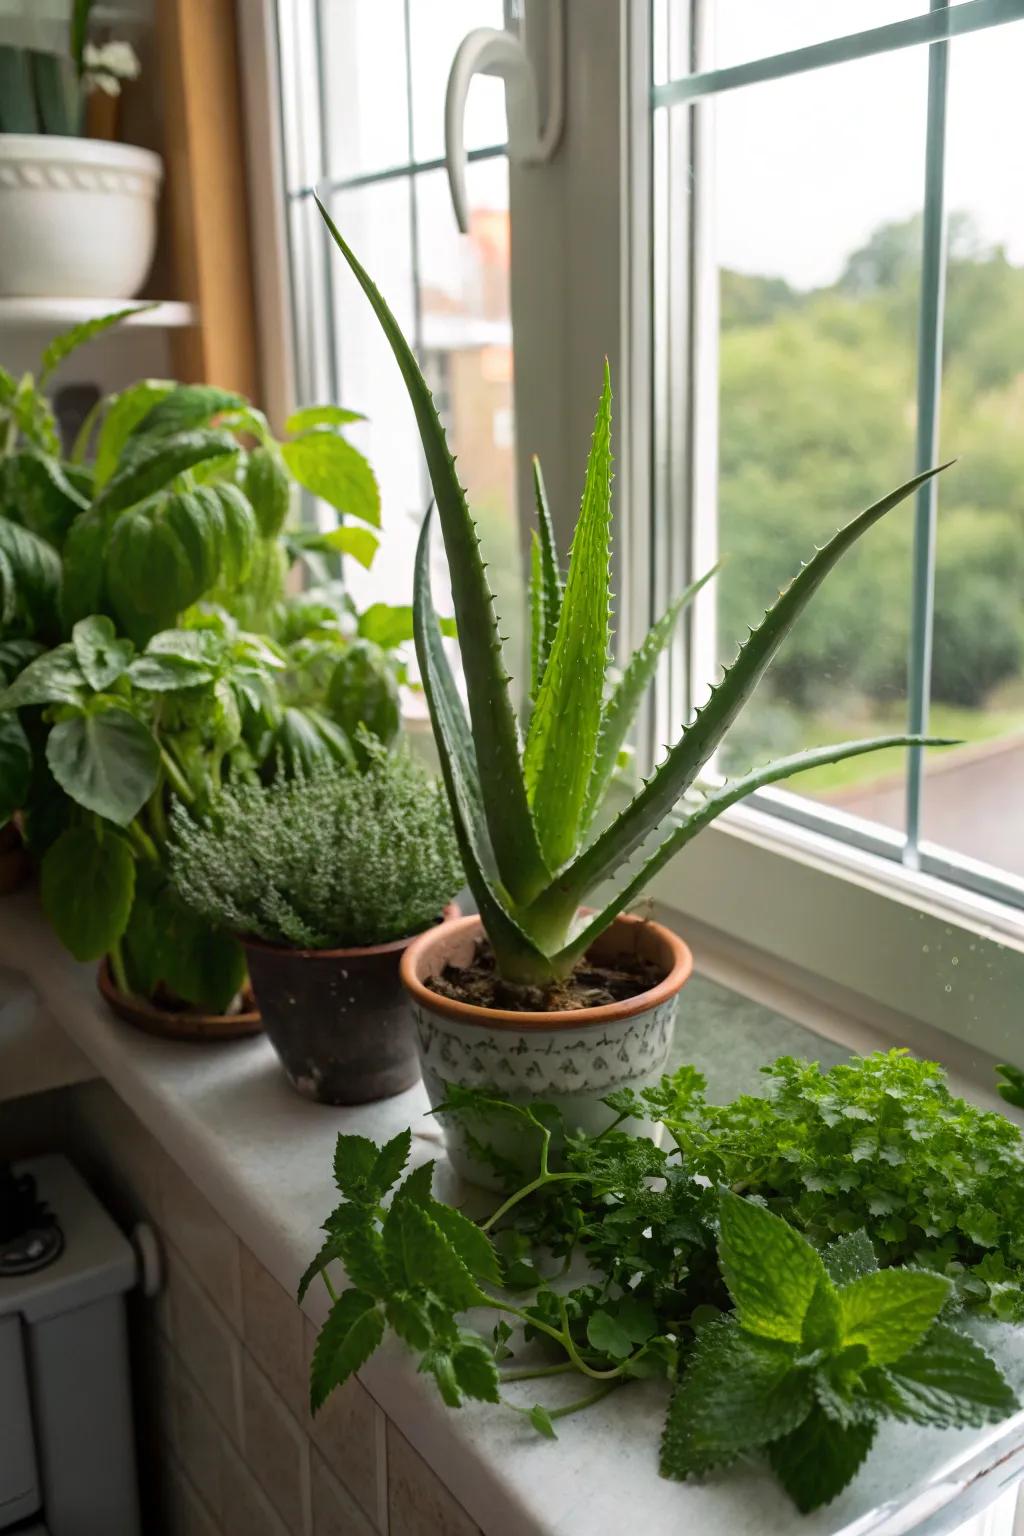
106 760
330 1251
353 1330
608 1336
425 1258
890 1311
771 1271
948 1379
55 677
815 1462
849 1257
100 654
355 1158
738 1392
541 1421
87 887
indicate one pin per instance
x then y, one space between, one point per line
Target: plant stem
176 778
563 1412
117 969
332 1293
542 1370
528 1189
577 1358
143 842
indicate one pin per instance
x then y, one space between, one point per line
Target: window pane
467 354
741 30
972 800
435 33
459 314
365 100
815 230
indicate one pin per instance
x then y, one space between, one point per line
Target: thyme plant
330 858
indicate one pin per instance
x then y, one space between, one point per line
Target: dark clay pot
338 1019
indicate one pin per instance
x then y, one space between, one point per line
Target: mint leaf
771 1271
541 1421
949 1380
410 1318
890 1311
739 1392
849 1257
353 1329
362 1252
608 1336
822 1329
419 1256
354 1161
388 1165
330 1251
475 1370
816 1462
473 1247
438 1362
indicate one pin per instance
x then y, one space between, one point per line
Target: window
362 85
839 257
746 214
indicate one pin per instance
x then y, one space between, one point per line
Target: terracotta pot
571 1060
338 1019
15 864
179 1026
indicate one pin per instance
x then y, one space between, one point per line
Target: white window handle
486 51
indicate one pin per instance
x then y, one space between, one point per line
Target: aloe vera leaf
510 824
560 747
620 709
550 569
712 807
537 615
517 955
702 736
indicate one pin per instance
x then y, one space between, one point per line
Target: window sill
262 1157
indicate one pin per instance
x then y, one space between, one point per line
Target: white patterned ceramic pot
571 1060
77 217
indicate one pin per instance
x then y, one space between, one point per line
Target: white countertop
262 1156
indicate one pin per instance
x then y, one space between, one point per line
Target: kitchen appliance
67 1455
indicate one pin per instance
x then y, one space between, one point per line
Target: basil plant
527 795
151 647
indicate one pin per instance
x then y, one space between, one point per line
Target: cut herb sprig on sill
773 1343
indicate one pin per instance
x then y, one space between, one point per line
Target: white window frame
771 891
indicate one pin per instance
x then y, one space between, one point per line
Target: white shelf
59 314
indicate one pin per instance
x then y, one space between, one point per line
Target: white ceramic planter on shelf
571 1060
77 216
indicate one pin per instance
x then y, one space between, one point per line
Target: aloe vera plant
526 808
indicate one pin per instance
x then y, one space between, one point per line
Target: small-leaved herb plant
770 1342
331 858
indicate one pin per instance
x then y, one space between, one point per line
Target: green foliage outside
334 857
817 410
795 1268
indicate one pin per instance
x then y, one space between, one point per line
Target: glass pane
741 30
467 355
435 32
366 118
377 221
460 317
815 229
973 802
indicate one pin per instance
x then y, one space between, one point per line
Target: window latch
487 51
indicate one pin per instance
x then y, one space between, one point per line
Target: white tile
273 1331
347 1430
335 1512
247 1511
210 1247
276 1448
419 1504
206 1346
199 1443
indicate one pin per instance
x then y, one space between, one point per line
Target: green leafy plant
334 857
45 92
820 1350
1012 1086
150 651
527 814
768 1343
